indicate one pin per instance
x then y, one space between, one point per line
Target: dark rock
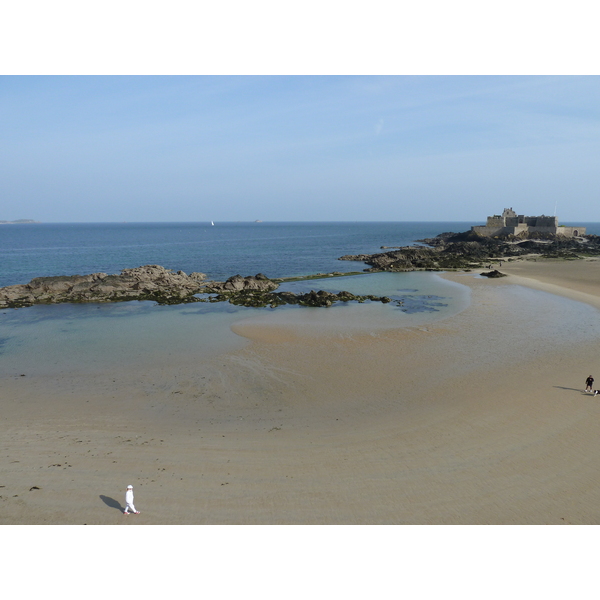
470 250
320 298
288 297
258 299
493 274
238 283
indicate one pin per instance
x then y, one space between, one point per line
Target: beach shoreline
575 279
479 418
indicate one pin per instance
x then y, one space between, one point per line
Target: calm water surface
47 340
275 249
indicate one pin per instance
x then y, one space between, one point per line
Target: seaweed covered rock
321 298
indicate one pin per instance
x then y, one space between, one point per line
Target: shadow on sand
560 387
112 502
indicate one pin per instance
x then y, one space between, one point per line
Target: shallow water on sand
46 340
96 338
417 299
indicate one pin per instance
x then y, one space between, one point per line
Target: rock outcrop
237 283
150 282
495 274
316 299
469 250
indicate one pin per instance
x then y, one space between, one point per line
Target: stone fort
509 222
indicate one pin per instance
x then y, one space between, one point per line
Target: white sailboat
212 223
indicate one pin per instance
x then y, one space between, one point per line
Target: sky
240 111
298 148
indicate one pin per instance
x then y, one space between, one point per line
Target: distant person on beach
588 384
129 501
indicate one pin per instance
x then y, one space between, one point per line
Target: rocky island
470 250
505 236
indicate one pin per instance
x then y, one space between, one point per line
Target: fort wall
510 223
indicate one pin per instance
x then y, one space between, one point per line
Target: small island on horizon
18 222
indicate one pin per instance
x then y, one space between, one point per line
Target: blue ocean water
220 251
47 340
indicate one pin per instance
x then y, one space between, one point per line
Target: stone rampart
487 231
570 231
509 223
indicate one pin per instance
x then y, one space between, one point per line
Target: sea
57 339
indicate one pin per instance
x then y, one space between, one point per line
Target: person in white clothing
129 501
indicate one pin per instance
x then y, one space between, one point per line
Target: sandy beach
477 419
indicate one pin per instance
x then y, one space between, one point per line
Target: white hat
129 487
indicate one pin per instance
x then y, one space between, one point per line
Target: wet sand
575 279
477 419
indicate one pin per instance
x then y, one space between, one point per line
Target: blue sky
305 148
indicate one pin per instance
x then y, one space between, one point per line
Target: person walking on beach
588 384
129 501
